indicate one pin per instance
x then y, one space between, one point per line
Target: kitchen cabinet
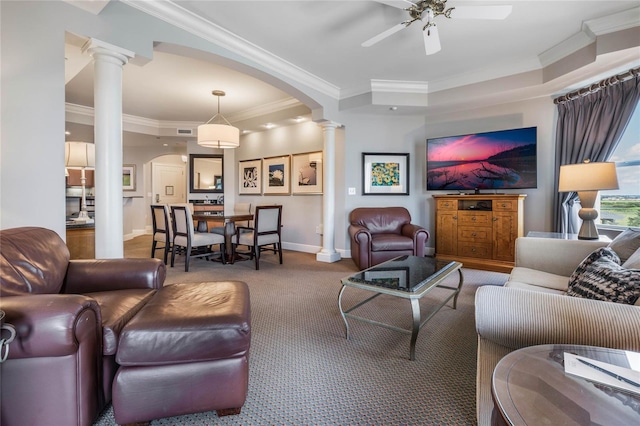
74 178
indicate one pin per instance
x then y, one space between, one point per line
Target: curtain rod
610 81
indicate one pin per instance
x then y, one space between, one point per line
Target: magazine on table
626 379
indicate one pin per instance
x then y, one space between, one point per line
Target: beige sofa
532 309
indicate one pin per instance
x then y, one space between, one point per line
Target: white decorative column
108 61
328 253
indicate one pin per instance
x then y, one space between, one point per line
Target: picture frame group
297 174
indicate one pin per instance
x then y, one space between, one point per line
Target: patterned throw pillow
601 277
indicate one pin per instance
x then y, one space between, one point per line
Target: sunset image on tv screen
504 159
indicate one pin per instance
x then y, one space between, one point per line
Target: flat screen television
504 159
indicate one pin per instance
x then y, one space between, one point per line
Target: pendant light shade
218 132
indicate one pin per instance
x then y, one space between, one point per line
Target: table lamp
587 179
80 156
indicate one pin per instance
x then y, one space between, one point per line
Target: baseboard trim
305 248
135 233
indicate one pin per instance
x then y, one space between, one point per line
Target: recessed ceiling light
393 108
165 144
298 119
245 131
269 126
66 132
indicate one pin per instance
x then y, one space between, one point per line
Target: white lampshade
218 132
218 136
79 155
587 177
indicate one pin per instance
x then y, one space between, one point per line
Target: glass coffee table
407 277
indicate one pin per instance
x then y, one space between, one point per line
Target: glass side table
530 387
562 236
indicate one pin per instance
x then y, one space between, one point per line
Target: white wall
32 188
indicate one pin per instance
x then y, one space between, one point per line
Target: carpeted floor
304 372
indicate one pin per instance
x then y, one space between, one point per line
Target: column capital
329 125
97 47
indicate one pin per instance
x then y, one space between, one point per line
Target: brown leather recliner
379 234
68 315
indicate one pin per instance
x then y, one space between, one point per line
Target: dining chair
242 208
162 231
196 244
263 236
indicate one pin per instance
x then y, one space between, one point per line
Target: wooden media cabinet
479 230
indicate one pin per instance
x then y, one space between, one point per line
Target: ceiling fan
426 10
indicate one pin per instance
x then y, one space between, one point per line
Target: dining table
229 220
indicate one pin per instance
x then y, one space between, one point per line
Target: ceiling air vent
185 132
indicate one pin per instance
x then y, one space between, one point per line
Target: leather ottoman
185 351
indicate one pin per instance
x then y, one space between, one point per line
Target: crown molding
565 48
590 30
265 109
616 22
398 86
173 14
93 6
84 115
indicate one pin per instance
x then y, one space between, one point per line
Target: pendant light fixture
218 132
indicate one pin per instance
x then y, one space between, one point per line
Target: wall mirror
206 173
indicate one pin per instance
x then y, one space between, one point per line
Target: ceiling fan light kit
218 132
427 10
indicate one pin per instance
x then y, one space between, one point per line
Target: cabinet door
446 232
81 243
505 232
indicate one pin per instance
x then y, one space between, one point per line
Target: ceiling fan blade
384 34
400 4
431 40
481 12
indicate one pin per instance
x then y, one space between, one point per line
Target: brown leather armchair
68 315
382 233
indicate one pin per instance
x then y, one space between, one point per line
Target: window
621 208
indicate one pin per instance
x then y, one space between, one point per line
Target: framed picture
275 174
128 177
168 190
306 173
250 175
385 174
